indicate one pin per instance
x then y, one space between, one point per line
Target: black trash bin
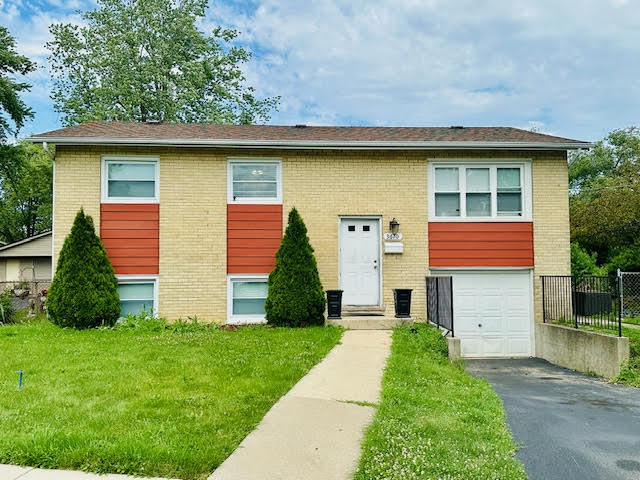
402 301
334 303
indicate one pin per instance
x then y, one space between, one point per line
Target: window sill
479 219
246 320
129 200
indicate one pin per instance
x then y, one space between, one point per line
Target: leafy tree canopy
26 177
605 194
11 104
139 60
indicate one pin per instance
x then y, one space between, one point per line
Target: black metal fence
582 300
440 301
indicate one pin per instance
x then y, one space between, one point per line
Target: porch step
377 322
363 311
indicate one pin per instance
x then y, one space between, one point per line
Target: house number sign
393 236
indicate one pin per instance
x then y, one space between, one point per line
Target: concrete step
370 322
363 311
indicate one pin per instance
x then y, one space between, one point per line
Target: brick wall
322 185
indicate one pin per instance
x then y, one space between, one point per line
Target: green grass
630 372
632 320
144 401
434 420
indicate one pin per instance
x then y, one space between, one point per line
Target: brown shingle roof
94 132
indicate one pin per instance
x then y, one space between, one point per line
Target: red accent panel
253 237
481 244
131 235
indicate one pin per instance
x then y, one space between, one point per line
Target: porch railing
440 302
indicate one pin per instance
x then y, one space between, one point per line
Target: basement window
246 299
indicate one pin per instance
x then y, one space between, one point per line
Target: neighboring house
25 260
191 216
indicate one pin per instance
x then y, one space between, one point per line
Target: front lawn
435 421
169 403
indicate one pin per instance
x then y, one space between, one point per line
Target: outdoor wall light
394 225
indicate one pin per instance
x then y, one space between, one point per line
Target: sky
564 67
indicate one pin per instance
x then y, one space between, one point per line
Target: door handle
480 325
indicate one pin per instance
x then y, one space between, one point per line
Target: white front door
360 261
492 313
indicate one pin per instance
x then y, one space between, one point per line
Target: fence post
620 293
574 307
544 312
451 302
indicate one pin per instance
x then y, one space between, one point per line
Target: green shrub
295 297
7 314
583 263
84 292
626 259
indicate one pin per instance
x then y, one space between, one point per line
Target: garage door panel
500 303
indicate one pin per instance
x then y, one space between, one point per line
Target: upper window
255 181
130 180
478 191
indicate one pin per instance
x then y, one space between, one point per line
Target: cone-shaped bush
295 297
84 291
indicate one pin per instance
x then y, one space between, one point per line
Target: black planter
402 301
334 303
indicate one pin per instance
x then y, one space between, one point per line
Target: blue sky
569 68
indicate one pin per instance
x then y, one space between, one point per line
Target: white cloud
564 67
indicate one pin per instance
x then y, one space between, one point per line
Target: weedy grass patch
435 421
146 400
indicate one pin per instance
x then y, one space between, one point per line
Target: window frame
493 165
130 159
137 279
231 161
240 319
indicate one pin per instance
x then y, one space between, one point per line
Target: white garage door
492 313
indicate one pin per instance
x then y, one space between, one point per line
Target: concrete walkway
315 430
12 472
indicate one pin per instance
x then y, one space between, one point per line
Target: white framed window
246 295
130 179
480 191
254 180
138 294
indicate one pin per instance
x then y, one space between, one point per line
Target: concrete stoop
373 322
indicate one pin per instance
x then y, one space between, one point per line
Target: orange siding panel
253 237
130 233
481 244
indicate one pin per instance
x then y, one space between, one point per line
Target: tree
10 102
26 177
605 194
139 60
84 292
582 263
295 297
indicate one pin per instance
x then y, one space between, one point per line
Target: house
191 216
26 260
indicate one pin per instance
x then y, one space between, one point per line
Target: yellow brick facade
323 185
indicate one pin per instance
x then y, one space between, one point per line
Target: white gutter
310 144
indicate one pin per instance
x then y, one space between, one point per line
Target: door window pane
447 179
447 204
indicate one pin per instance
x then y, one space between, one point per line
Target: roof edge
25 240
310 144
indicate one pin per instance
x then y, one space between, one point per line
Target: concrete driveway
568 425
